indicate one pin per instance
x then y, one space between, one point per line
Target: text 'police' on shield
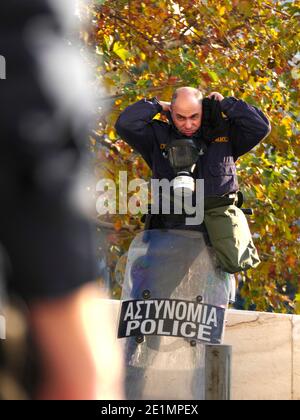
171 317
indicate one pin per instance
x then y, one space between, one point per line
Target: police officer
228 128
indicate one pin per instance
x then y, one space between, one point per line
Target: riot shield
173 302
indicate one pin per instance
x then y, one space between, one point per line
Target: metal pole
217 372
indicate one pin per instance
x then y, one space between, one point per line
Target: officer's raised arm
249 125
134 125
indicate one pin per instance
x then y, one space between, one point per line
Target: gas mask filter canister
183 155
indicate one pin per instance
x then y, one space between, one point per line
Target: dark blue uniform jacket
240 129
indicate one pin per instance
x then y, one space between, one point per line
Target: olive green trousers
229 234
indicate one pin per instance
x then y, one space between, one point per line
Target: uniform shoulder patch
157 121
221 140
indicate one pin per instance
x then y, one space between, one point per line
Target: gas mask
183 154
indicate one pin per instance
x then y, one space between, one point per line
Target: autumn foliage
247 49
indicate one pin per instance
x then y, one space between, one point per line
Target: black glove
213 123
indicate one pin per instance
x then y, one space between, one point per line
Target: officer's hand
216 95
166 106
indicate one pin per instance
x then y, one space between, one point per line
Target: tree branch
276 10
150 89
141 34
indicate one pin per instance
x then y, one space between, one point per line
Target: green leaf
213 75
120 51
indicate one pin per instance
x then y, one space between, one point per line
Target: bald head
186 110
187 93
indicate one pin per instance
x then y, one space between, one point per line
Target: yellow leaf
287 123
111 134
273 32
243 74
222 10
259 193
108 83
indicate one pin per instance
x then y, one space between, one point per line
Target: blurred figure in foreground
47 241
